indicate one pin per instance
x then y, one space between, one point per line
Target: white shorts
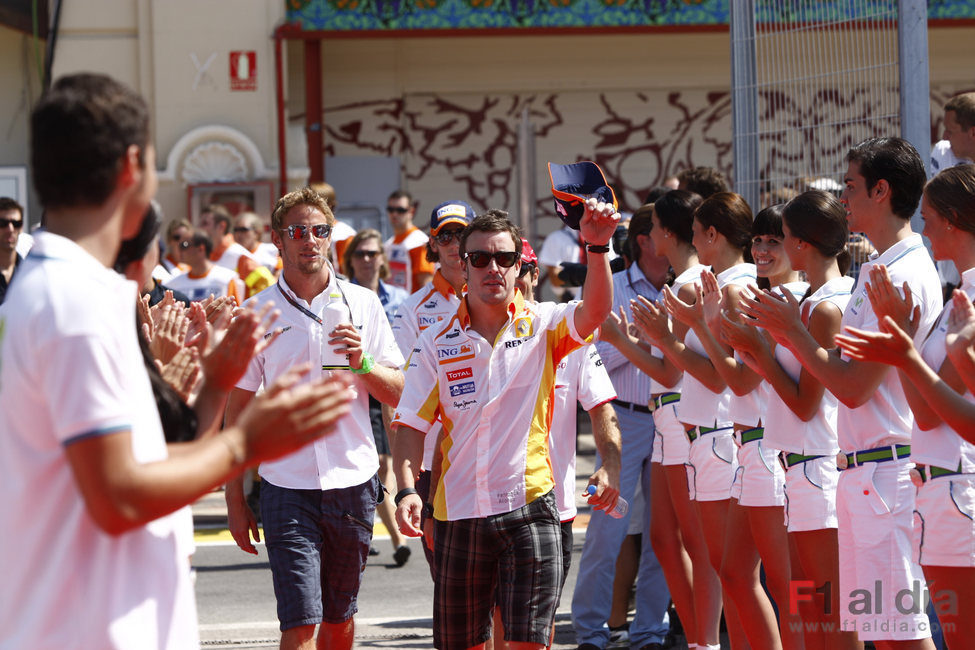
670 445
759 479
881 585
810 495
711 466
944 521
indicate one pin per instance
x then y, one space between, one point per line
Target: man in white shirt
875 497
488 374
92 557
203 278
318 505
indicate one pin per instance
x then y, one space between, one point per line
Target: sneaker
401 555
619 637
373 551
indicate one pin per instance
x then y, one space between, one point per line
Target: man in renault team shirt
488 374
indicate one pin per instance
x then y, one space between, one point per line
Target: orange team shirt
407 257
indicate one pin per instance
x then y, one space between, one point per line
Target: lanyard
304 310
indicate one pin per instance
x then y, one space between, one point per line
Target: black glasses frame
504 259
16 223
444 237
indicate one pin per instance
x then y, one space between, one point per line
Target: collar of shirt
317 303
639 283
516 306
968 280
893 253
440 284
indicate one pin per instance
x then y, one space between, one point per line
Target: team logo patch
454 333
461 389
455 353
426 321
457 375
512 344
523 327
430 305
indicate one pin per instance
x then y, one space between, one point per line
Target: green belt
751 435
878 455
929 472
663 400
791 459
695 432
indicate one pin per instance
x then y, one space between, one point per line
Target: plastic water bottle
621 505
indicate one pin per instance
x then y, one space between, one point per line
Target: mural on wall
366 15
465 145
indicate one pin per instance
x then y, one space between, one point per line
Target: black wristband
597 248
402 494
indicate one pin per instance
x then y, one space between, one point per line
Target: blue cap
457 212
573 184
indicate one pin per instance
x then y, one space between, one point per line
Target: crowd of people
794 443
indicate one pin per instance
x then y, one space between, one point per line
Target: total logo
455 353
457 375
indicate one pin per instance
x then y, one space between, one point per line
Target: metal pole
912 52
526 175
744 101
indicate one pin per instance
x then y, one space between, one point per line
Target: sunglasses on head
504 259
364 254
395 209
526 269
16 223
298 231
444 237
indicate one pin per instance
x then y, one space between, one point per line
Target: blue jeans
593 596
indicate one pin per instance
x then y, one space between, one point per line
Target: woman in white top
943 440
756 534
675 528
800 417
721 234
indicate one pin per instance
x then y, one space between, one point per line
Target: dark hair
491 221
136 248
896 161
304 196
401 194
200 238
640 224
768 222
731 216
819 219
655 193
675 212
220 215
7 204
706 181
80 132
353 245
963 106
952 194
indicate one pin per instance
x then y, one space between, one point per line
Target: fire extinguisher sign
243 70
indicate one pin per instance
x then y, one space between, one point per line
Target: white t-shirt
580 377
70 369
219 281
348 456
691 276
886 419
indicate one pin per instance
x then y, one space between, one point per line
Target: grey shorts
317 544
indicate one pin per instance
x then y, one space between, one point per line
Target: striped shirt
631 384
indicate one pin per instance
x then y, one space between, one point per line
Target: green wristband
368 363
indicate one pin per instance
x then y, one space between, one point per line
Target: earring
949 227
710 239
798 247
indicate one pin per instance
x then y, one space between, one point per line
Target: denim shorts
317 544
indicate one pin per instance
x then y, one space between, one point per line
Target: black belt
630 406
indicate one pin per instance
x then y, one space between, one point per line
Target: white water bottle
621 505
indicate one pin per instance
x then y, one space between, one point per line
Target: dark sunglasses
526 269
504 259
395 209
242 229
320 230
444 237
16 223
364 254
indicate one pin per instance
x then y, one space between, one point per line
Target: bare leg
819 555
714 517
667 538
336 636
627 563
298 638
772 541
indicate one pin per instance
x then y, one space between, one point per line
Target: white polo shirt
348 456
942 446
70 369
690 276
495 403
580 377
431 305
217 282
784 430
886 419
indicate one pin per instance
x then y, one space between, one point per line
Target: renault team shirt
495 403
71 369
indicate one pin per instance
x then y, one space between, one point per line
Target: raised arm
597 227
